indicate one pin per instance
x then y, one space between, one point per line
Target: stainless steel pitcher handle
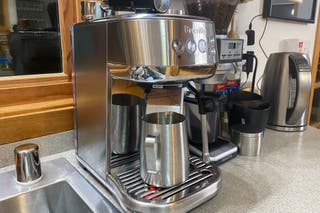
151 151
303 93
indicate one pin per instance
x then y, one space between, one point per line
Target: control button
202 44
178 47
162 5
212 44
191 46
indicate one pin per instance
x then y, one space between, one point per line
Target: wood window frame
314 69
37 105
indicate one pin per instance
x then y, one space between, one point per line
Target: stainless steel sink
59 197
62 190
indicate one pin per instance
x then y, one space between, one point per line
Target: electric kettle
287 85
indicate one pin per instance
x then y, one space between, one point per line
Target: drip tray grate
201 175
119 160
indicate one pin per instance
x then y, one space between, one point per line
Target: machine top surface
135 16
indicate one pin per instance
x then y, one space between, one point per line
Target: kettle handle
303 82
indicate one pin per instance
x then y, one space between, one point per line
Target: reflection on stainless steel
162 41
88 10
28 168
58 197
92 90
161 5
152 74
62 189
164 149
201 175
127 111
204 136
287 75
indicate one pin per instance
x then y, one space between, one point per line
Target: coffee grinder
229 52
150 56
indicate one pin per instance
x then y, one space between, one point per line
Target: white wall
277 30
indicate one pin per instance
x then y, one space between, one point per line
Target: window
36 105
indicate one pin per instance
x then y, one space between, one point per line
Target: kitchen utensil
127 112
249 144
287 85
28 168
164 149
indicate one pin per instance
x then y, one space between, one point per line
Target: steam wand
206 104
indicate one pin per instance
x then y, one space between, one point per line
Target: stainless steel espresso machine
129 72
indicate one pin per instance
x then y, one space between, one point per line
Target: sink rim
55 171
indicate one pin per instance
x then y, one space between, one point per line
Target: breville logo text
188 29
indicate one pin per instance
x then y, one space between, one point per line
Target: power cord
253 18
254 73
247 57
244 83
260 44
251 33
251 40
261 37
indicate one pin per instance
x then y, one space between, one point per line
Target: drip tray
202 176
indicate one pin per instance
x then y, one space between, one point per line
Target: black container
248 109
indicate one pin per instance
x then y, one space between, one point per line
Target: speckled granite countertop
285 178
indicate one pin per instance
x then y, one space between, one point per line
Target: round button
202 45
162 5
178 47
191 46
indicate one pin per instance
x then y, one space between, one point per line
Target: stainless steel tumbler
249 144
164 153
28 168
127 112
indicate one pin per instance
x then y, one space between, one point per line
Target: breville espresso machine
129 72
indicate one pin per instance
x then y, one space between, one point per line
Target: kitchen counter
283 179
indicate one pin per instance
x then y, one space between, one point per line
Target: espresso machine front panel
161 48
